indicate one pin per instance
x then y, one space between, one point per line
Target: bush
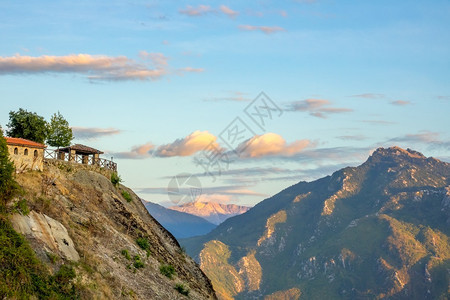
167 270
115 179
22 207
8 186
63 278
126 254
182 289
143 243
138 262
127 196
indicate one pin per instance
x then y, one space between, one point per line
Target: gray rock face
50 233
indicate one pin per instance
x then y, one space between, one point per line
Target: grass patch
22 207
127 196
43 203
126 254
182 289
115 179
138 264
167 270
52 257
144 244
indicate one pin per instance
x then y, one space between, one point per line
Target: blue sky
153 83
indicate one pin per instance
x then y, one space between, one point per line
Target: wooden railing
81 159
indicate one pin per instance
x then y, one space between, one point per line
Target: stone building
26 154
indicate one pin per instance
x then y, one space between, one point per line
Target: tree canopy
8 185
59 132
27 125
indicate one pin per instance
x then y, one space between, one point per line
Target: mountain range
213 212
376 231
180 224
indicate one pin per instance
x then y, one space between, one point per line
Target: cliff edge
117 249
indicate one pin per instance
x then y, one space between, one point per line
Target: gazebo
80 153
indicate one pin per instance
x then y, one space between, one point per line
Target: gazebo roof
24 143
80 149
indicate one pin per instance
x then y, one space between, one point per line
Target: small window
25 152
16 151
35 153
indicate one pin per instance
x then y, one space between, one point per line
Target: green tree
8 185
59 132
27 125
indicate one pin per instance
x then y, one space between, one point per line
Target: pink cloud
271 144
190 70
151 66
158 59
196 11
400 102
137 152
265 29
193 143
228 11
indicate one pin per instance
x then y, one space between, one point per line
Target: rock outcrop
47 234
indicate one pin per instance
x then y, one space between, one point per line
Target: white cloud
370 96
316 107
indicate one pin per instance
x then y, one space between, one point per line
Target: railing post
61 156
72 155
95 159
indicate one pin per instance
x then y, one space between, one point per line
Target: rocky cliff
77 217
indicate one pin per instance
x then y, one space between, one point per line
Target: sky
232 101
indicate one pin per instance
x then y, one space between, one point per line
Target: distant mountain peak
213 212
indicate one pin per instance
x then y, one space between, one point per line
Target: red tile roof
80 149
24 143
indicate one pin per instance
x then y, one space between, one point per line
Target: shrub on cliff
8 186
